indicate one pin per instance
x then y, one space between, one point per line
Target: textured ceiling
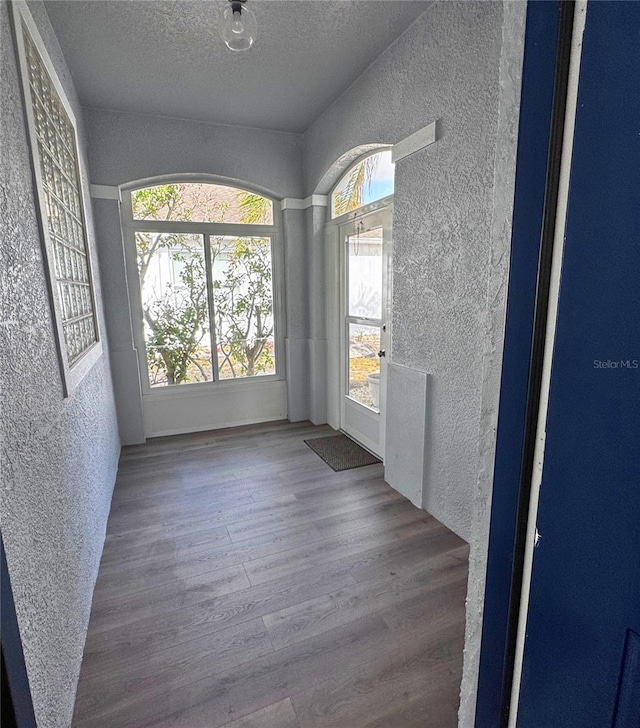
167 56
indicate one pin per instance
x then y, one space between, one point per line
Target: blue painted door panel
585 596
538 73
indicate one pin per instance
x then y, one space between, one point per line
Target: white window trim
363 211
71 376
415 142
130 227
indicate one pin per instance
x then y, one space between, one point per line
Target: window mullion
236 230
212 312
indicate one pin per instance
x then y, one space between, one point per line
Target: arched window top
368 180
201 202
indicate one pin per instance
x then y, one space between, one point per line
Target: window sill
200 389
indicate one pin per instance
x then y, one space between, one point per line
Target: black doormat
341 453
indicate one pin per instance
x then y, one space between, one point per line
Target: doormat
341 453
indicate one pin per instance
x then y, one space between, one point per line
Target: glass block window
60 186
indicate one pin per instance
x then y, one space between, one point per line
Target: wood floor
245 584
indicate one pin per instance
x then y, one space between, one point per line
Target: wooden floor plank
207 496
360 550
380 690
179 593
436 610
427 710
251 686
278 715
406 553
157 546
218 515
244 584
284 672
305 514
167 662
221 607
378 516
307 619
144 573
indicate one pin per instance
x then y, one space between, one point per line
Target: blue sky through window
381 183
369 180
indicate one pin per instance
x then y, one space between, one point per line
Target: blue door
582 652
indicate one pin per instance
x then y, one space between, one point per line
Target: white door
365 333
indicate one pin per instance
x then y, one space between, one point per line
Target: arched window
204 256
201 202
368 180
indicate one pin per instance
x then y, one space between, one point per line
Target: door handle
382 353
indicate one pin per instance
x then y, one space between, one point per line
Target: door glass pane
365 274
173 289
364 364
243 305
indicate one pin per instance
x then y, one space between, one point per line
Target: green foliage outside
177 318
177 323
351 195
243 305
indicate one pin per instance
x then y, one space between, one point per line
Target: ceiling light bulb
236 25
239 26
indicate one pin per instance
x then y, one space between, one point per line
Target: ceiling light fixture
239 26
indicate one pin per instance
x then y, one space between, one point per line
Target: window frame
368 206
131 226
71 375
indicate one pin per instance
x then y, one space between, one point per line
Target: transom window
368 180
204 255
202 203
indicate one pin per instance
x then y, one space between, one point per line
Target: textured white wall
296 307
460 64
444 67
317 289
513 29
128 147
123 357
58 457
125 147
